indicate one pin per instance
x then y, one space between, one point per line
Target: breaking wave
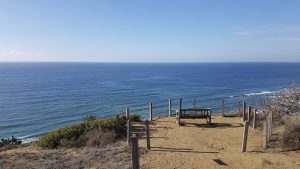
260 93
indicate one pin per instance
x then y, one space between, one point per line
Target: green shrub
10 141
72 136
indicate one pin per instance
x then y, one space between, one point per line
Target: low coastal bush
285 110
291 133
90 132
9 141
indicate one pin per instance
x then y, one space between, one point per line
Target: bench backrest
196 112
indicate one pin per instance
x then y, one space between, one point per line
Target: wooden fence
171 105
138 130
251 116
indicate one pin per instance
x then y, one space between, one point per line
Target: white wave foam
27 139
260 93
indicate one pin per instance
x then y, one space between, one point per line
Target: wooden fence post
194 105
268 125
223 108
265 135
127 112
170 107
179 111
180 104
244 111
249 113
254 118
245 136
148 134
240 109
128 131
271 124
150 111
134 152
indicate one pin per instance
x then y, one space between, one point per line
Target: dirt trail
195 145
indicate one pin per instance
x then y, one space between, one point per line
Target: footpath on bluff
196 145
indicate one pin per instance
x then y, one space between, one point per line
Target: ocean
38 97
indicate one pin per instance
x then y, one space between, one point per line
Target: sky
150 30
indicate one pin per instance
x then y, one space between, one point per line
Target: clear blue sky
150 30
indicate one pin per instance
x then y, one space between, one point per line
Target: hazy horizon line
149 62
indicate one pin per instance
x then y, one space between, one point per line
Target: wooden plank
137 122
148 134
197 109
170 107
135 152
150 111
137 132
265 135
193 117
135 129
245 136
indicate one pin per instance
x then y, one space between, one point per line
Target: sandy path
195 145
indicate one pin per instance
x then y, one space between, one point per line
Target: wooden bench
194 113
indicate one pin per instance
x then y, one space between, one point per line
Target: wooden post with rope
128 131
249 113
254 118
135 152
150 111
223 108
244 111
147 134
245 136
265 133
170 107
127 112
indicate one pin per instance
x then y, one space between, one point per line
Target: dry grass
98 138
93 143
112 156
291 132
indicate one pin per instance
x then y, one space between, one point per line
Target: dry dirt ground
198 146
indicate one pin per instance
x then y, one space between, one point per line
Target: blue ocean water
38 97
